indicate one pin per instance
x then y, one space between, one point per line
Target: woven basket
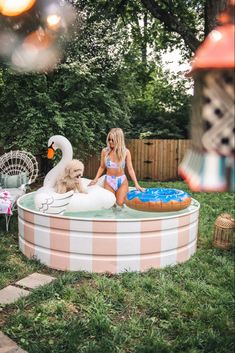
223 231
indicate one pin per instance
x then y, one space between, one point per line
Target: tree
68 102
81 99
179 17
164 110
189 20
109 76
183 24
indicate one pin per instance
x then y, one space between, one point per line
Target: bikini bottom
115 181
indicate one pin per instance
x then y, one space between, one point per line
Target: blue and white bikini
114 181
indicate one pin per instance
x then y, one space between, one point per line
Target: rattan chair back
16 162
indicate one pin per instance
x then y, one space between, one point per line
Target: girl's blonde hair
119 143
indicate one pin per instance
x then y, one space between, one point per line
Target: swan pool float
49 201
158 200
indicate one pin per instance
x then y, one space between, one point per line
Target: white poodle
71 179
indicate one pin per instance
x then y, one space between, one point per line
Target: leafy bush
164 109
69 102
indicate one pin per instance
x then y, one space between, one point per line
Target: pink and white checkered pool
96 244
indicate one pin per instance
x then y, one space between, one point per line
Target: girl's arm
101 169
131 171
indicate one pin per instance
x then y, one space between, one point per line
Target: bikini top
113 165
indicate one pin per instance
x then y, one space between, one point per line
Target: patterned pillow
13 181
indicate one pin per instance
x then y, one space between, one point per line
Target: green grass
186 308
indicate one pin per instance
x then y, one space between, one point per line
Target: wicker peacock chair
16 162
21 165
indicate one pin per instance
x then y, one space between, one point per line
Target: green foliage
82 99
68 101
25 110
159 101
90 106
164 109
109 77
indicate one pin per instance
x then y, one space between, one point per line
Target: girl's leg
108 187
121 193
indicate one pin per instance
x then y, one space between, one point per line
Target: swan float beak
50 151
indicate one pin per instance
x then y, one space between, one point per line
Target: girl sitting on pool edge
113 160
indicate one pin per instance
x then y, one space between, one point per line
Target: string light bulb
53 21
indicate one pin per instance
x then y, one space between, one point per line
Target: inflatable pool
158 200
111 240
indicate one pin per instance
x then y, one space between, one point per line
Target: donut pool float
158 200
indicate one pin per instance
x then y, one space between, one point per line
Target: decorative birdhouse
223 231
209 165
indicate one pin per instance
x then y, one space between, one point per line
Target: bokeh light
31 33
14 7
53 21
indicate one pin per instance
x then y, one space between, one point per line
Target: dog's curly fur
71 179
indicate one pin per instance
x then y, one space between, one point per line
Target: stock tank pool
109 240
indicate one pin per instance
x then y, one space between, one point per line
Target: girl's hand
138 187
92 182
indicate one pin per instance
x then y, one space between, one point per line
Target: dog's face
74 170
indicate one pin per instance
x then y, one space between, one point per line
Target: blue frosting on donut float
158 194
158 199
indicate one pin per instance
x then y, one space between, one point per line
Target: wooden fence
152 159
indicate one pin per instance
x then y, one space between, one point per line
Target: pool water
113 213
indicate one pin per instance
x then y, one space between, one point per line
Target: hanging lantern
209 165
223 231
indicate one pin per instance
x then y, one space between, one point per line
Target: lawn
186 308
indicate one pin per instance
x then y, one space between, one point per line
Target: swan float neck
62 143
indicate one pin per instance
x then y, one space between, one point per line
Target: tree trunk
144 40
172 23
212 9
